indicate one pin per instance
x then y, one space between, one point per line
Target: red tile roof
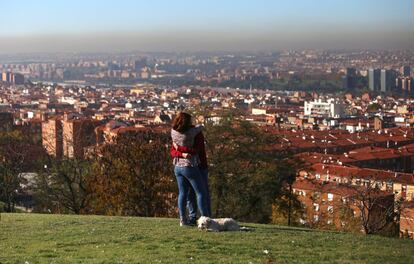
362 173
332 187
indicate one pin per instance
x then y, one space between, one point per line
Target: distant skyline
184 25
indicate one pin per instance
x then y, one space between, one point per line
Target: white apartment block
329 108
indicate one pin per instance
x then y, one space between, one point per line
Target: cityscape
316 137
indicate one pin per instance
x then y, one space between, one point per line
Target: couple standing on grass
190 168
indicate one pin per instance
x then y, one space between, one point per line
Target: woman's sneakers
191 222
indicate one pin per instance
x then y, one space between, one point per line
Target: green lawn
98 239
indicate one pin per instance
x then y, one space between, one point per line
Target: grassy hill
98 239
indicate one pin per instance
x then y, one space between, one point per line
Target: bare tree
17 155
61 186
377 208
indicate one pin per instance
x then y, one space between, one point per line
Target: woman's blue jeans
188 177
192 202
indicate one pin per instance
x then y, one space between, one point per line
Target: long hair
182 122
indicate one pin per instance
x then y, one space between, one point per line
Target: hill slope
98 239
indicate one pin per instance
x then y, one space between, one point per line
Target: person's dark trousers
188 177
192 203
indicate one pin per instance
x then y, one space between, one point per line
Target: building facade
329 108
52 137
374 79
387 80
342 207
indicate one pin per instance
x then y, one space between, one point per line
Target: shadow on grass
282 228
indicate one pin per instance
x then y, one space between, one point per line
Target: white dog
217 225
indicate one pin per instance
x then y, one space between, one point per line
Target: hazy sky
179 25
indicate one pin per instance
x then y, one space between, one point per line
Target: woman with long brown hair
186 168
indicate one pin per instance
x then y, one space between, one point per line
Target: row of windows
378 184
316 219
330 208
316 195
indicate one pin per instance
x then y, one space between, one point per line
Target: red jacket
199 148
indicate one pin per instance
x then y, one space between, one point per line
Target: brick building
341 207
77 134
52 137
401 184
68 136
